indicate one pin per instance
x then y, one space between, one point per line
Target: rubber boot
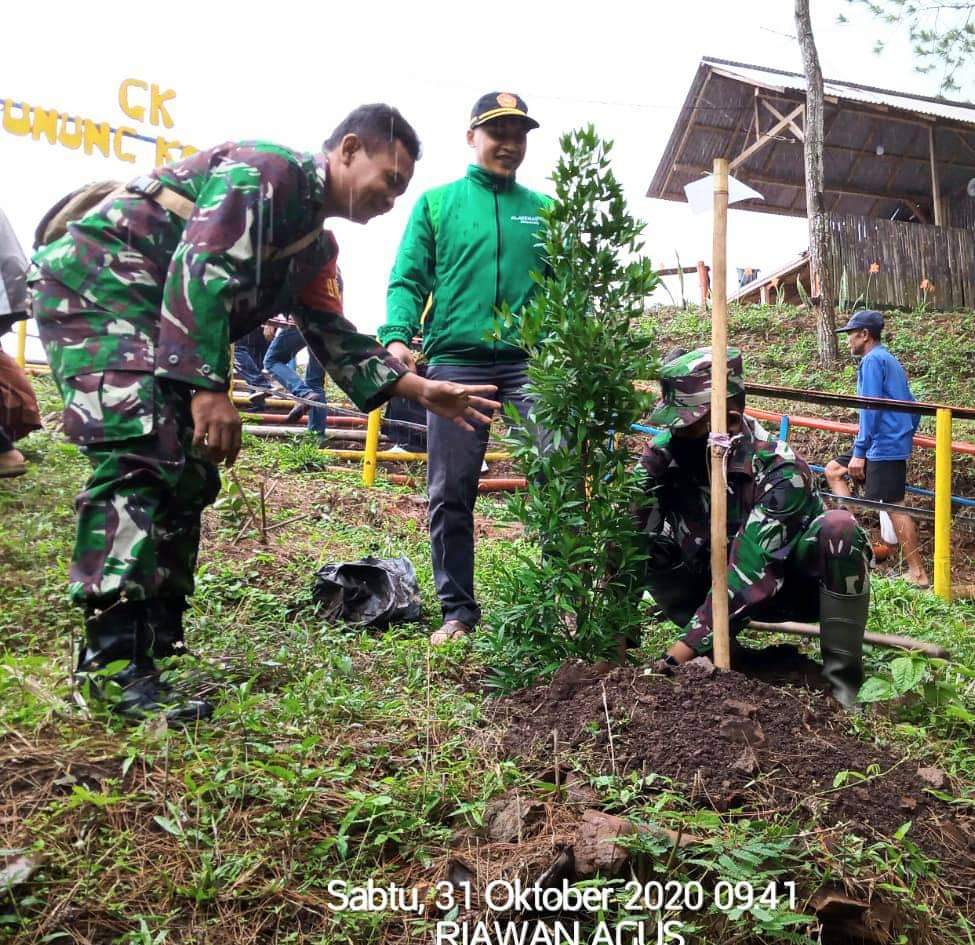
842 622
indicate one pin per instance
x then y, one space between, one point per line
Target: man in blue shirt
885 438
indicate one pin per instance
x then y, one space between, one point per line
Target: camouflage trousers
139 514
832 552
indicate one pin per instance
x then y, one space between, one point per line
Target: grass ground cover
342 755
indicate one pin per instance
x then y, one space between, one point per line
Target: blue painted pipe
914 490
784 435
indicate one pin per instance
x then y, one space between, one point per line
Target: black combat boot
122 631
111 634
165 615
842 622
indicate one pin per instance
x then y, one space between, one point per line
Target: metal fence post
942 504
372 447
22 342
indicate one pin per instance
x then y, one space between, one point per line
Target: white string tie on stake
724 443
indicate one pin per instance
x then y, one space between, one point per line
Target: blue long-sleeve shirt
884 434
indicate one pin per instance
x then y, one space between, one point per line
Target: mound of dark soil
731 741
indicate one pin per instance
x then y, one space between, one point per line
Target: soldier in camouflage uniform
137 306
788 558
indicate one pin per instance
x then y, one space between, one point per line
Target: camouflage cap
685 386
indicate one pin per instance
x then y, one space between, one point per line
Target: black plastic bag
373 592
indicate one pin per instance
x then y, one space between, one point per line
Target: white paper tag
700 193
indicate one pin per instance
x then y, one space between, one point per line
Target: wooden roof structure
886 154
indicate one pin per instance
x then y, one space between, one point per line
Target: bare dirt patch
734 742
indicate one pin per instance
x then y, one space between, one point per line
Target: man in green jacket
470 247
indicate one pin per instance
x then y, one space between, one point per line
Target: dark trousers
249 354
6 442
286 344
401 409
832 553
454 464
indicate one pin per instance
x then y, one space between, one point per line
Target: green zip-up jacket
472 245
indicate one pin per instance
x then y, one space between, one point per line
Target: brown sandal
9 469
450 630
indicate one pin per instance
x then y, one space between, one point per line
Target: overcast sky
290 71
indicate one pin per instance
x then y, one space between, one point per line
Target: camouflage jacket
771 503
13 271
175 293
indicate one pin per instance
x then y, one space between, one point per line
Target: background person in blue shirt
884 441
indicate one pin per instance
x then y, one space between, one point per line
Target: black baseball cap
500 105
863 319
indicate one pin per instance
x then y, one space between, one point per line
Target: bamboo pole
719 419
942 504
372 448
891 640
22 342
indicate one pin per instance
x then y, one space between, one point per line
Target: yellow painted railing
942 504
22 342
372 447
401 456
371 454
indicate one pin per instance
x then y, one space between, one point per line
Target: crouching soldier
788 558
137 305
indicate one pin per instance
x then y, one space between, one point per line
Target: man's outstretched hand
461 403
216 426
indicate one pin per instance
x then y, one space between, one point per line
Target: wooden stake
719 418
609 732
243 495
935 183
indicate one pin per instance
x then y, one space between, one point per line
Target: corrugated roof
877 144
779 79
